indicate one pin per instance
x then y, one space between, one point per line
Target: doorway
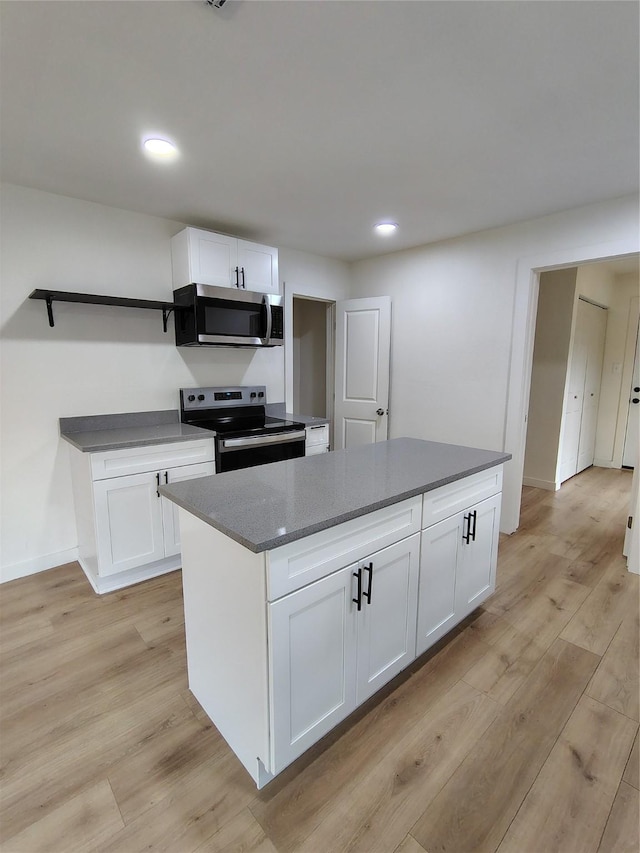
313 356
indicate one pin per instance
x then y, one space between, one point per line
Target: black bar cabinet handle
358 600
237 277
243 282
475 520
158 484
166 478
466 528
367 594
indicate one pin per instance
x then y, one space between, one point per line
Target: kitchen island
309 584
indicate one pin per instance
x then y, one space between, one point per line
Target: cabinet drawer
317 435
137 460
292 566
454 497
315 449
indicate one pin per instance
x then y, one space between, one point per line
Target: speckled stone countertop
270 505
277 410
93 433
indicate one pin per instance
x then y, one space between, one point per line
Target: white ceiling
302 123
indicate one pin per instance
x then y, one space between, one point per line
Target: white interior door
596 323
630 453
363 341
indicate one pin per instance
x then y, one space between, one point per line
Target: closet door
596 323
572 415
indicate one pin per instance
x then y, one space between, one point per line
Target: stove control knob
191 398
200 396
253 395
260 393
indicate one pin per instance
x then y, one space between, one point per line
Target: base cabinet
334 643
282 645
127 532
458 562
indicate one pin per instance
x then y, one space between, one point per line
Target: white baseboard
549 485
604 463
37 564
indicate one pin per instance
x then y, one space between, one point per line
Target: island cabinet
285 640
127 532
284 644
459 552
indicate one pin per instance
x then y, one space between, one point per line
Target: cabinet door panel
312 664
387 623
441 545
260 265
213 258
477 563
170 510
128 523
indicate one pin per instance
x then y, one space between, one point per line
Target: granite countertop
277 410
271 505
93 433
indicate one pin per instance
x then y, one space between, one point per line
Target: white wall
315 277
463 314
97 359
556 302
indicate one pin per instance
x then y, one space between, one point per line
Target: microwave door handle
267 308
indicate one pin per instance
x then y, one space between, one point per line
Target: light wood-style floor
519 734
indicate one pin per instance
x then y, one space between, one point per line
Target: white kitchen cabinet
299 656
129 530
170 522
387 621
313 636
458 562
316 439
126 531
328 654
205 257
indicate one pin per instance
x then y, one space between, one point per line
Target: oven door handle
226 444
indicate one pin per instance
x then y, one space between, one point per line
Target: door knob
636 389
380 412
636 400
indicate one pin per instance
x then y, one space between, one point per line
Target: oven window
233 318
248 457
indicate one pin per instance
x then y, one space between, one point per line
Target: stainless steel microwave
226 317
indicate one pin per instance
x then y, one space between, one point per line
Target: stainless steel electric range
244 434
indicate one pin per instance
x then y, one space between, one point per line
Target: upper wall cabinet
204 257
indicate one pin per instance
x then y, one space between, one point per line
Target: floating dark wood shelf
51 296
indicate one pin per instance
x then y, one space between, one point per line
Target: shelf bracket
49 302
166 313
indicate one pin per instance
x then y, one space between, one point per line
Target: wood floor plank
476 806
44 780
78 824
616 682
596 623
632 771
409 845
242 834
567 808
150 772
206 799
508 662
374 818
289 811
622 833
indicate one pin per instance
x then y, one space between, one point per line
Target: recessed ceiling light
160 149
385 228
